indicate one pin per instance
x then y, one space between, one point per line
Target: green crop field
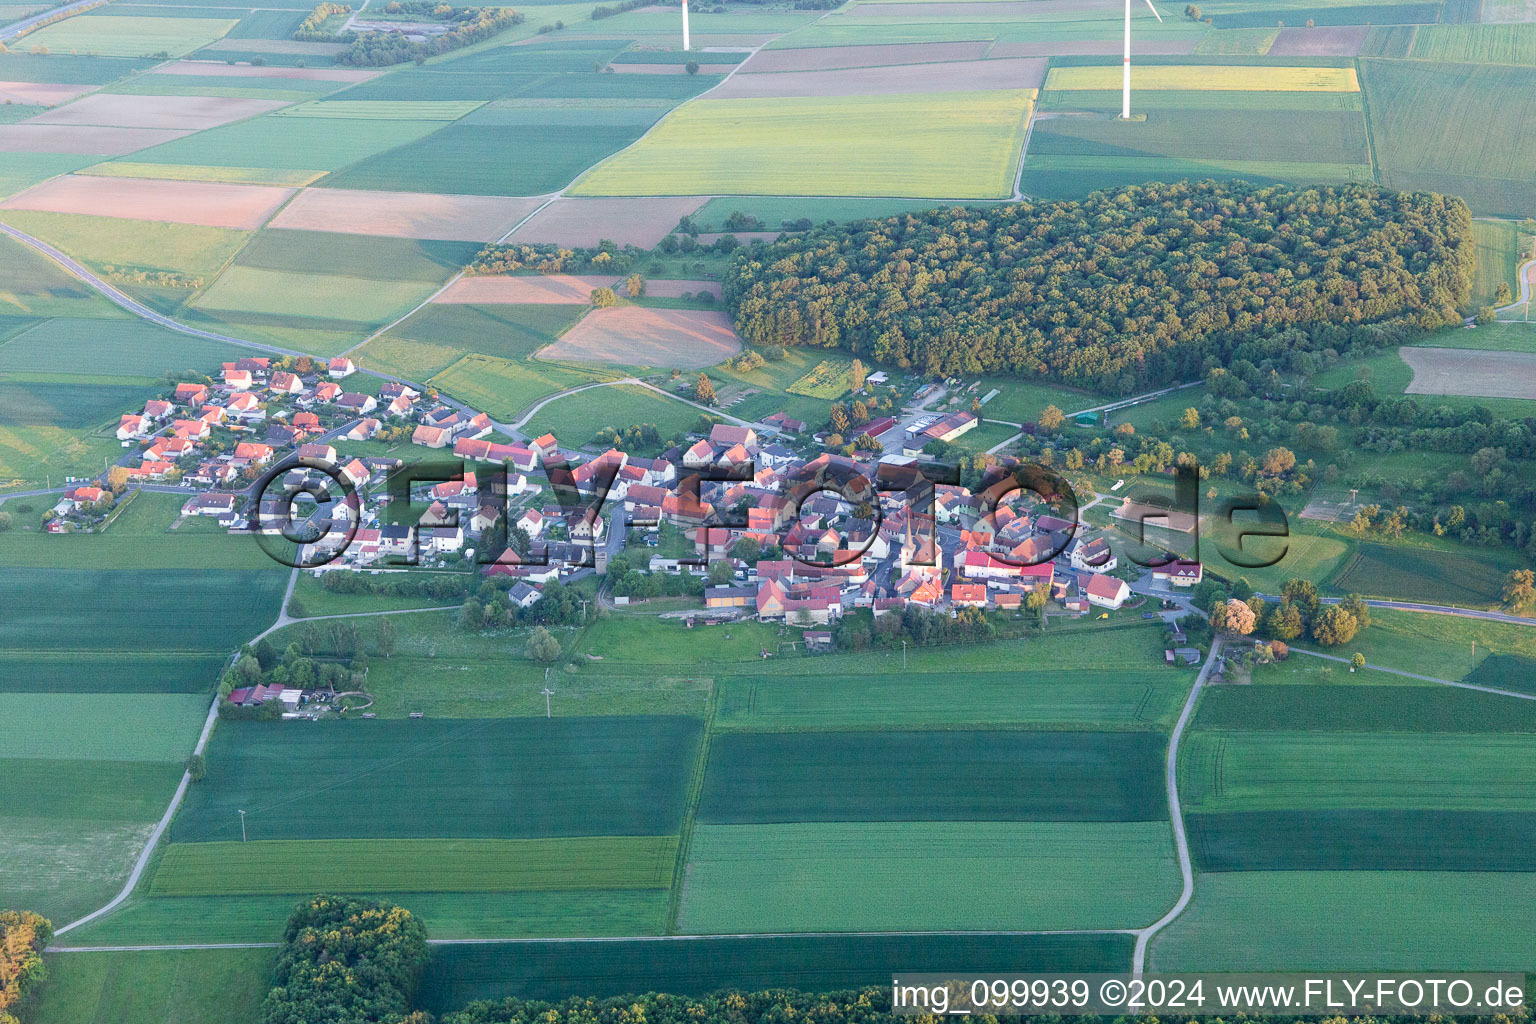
205 986
1438 644
436 336
1501 248
505 388
1344 920
136 609
128 348
130 36
934 776
861 146
382 110
101 726
103 242
367 257
575 418
962 876
486 687
409 865
1357 840
1445 127
42 404
449 915
70 829
1132 698
461 974
139 537
1421 574
1345 707
481 778
47 672
1505 671
287 144
481 159
36 286
1232 771
1476 44
1211 136
74 69
330 298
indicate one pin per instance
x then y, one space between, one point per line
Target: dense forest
345 961
1132 287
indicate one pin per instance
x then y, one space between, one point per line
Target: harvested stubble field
72 139
956 145
418 865
244 207
543 289
1338 41
403 214
480 778
586 222
192 113
938 876
1449 371
1225 77
684 339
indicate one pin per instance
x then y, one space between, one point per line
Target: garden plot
826 58
1470 372
404 214
93 141
938 77
686 339
192 113
551 289
584 222
178 202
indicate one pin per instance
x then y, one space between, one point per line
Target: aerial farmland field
726 755
802 146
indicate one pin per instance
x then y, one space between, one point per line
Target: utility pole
903 655
242 826
547 692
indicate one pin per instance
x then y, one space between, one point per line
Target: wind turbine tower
1125 96
685 23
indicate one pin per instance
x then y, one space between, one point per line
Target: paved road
1126 403
20 28
1176 814
1527 269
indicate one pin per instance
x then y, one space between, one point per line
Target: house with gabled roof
340 366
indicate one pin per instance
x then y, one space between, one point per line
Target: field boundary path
1176 815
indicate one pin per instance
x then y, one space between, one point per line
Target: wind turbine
1125 97
685 23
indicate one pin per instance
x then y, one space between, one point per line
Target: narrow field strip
1235 77
415 865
